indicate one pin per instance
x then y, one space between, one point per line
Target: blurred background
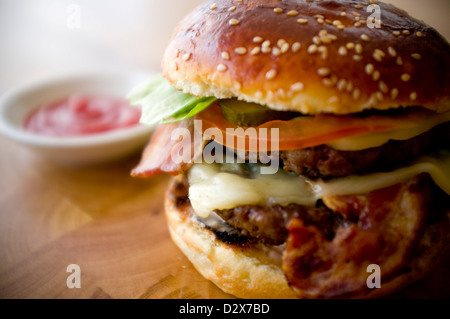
43 37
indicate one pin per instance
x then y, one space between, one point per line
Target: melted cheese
358 143
212 188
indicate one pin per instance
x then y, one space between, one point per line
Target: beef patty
326 162
269 224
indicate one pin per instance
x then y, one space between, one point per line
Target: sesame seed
297 87
281 42
213 6
341 27
378 55
320 21
349 86
257 39
365 37
319 16
356 94
405 77
324 51
266 50
379 96
232 9
312 49
369 69
419 34
332 37
323 72
342 51
416 56
285 47
333 99
342 84
337 22
396 33
376 75
334 79
327 82
383 87
357 57
233 22
356 14
278 10
187 56
225 55
392 52
240 50
296 47
292 13
221 68
276 51
406 32
266 44
359 48
357 24
358 6
317 40
343 14
271 74
399 61
350 45
413 96
255 51
394 93
302 21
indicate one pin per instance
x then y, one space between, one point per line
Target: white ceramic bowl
16 104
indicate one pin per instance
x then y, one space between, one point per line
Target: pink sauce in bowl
80 115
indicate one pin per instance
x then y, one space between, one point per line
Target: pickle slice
245 114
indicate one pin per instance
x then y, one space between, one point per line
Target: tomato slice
305 132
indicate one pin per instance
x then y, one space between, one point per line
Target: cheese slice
362 142
211 188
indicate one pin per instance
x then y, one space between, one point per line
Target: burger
309 144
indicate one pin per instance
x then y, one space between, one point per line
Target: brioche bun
309 56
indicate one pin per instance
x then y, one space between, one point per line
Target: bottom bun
253 270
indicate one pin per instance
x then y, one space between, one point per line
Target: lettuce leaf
162 103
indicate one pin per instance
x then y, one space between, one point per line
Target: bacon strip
383 229
169 154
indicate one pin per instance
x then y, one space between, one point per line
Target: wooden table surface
109 224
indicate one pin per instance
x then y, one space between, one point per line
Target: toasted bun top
310 56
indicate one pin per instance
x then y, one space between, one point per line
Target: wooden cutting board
109 224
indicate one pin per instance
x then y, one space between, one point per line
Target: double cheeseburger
358 94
